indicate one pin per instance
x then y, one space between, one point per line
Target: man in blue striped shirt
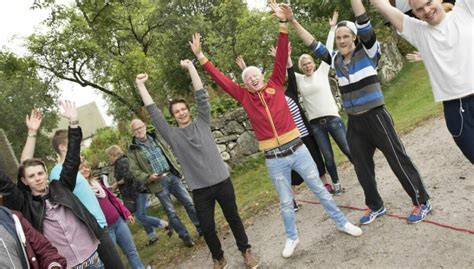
370 125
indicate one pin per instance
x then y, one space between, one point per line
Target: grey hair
302 57
248 69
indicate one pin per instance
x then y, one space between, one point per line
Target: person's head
179 109
85 169
306 64
138 129
346 35
59 142
33 173
114 152
448 7
430 11
253 78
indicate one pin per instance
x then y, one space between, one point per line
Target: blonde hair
114 151
304 57
248 69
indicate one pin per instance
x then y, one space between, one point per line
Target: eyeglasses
138 128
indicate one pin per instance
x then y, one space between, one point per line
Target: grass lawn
409 100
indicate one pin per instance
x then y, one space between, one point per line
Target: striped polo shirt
358 82
296 115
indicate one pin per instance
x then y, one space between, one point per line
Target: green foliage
22 89
103 139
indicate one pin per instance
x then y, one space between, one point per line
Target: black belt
286 152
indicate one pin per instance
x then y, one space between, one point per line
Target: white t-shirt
447 49
316 91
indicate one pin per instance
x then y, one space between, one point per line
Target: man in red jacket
23 246
276 133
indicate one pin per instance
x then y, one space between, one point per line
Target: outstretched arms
302 33
195 78
390 12
33 122
140 81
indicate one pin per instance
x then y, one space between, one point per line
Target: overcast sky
18 21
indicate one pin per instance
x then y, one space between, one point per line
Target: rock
233 127
391 61
217 134
221 147
246 144
225 156
225 139
231 145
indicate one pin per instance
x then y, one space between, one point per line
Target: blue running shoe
419 212
370 215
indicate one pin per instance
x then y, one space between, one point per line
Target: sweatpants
372 130
459 116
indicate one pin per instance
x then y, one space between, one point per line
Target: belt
286 152
93 259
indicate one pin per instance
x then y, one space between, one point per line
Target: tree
22 89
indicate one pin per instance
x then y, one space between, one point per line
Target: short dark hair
29 163
176 101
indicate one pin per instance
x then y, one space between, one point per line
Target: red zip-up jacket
267 108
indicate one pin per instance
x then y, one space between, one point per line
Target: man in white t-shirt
446 43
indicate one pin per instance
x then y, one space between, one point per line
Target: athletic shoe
152 241
249 259
289 248
371 215
419 212
338 189
296 206
329 188
188 241
351 229
220 264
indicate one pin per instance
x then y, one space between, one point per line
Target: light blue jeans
149 223
300 161
120 234
171 184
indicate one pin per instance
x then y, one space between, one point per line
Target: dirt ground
388 242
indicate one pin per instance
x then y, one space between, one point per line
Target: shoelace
367 212
416 210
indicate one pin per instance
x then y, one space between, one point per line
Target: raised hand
70 110
287 11
272 51
196 44
141 78
240 62
33 121
277 11
186 64
333 20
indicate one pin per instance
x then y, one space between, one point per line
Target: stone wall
234 135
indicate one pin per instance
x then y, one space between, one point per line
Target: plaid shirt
155 155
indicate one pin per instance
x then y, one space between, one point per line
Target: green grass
409 100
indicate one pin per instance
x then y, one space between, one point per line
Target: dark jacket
36 250
131 187
141 167
20 198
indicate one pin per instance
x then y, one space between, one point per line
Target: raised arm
195 78
73 154
279 66
301 32
220 78
390 12
357 7
199 92
156 115
332 31
33 122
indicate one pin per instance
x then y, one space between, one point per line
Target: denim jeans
149 223
205 200
120 234
171 184
280 171
334 126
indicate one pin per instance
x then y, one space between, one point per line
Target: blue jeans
171 184
334 126
149 223
120 234
280 172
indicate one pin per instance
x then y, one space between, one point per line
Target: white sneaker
351 229
289 248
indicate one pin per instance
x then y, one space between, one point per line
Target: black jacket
131 187
19 197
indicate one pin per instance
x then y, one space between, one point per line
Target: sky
18 21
